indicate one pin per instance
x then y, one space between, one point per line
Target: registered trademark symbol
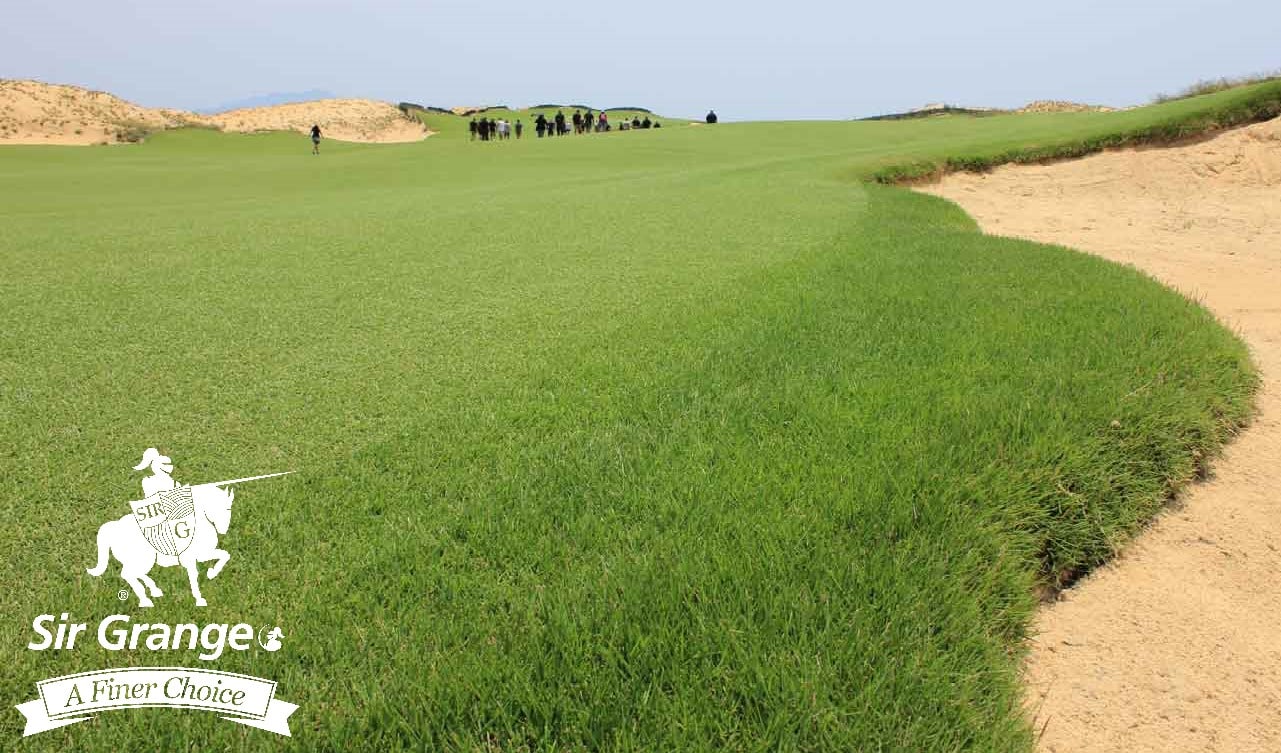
123 594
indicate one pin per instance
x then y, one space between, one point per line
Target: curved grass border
1195 119
1191 118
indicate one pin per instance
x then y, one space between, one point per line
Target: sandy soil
32 112
1176 646
36 113
1058 105
343 119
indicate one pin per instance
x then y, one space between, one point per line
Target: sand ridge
32 112
344 119
1175 646
1058 105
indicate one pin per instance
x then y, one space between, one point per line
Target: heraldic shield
167 520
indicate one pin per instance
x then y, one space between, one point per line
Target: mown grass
687 440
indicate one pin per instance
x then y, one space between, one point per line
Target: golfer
315 139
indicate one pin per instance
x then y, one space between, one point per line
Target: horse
124 539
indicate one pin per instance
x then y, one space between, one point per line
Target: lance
247 478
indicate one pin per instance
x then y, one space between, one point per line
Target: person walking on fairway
520 128
473 128
315 139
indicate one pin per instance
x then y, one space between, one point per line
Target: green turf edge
1175 450
1200 116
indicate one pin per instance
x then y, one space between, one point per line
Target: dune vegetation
686 439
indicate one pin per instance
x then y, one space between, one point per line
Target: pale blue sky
749 60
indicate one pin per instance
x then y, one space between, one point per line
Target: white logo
172 525
272 640
77 698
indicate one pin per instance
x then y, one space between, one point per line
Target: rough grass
1166 123
1212 85
686 440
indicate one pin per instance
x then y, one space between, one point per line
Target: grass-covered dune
686 439
1167 122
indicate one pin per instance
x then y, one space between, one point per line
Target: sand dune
343 119
32 112
1056 105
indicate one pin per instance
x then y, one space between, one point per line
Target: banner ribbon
76 698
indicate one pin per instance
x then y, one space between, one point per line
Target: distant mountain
267 100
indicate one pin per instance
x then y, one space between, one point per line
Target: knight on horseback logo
173 524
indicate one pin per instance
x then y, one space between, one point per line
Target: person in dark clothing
711 117
636 121
540 125
578 122
560 123
315 139
647 123
486 129
473 128
520 128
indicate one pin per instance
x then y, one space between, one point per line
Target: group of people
486 129
637 122
494 130
501 130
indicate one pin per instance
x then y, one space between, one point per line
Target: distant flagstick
249 478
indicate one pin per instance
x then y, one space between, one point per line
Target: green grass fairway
686 439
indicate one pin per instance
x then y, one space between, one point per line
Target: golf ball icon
271 642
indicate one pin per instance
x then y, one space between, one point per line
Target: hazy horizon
801 60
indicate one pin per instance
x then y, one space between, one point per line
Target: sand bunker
32 112
1176 646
